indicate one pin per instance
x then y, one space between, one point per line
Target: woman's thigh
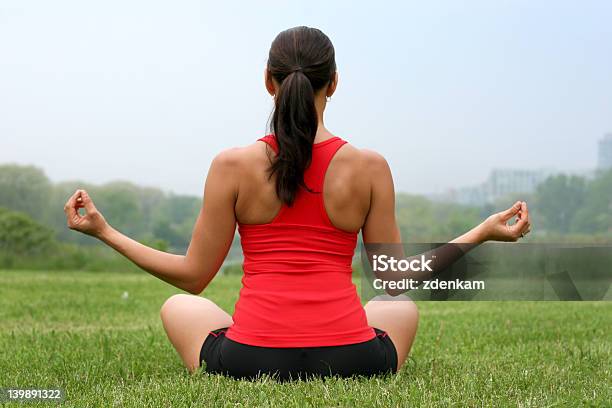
187 320
399 317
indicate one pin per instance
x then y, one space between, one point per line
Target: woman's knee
170 304
394 304
176 303
412 310
412 315
407 314
409 309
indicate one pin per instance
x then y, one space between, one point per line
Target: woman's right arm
211 237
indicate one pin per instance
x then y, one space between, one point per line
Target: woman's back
297 288
346 191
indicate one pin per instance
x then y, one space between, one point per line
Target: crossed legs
188 319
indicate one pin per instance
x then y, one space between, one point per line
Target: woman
299 197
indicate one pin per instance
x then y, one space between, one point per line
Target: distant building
604 160
500 182
504 182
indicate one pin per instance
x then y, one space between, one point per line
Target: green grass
73 330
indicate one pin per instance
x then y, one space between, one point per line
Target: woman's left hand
92 223
497 227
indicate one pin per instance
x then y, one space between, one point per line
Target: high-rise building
604 160
507 181
500 183
503 182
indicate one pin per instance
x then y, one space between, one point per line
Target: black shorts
228 357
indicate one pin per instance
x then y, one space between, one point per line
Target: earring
328 98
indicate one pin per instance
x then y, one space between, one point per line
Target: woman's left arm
211 238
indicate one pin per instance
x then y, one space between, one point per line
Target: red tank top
297 289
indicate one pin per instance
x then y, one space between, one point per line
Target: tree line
33 228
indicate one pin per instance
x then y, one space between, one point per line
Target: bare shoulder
236 158
373 160
368 161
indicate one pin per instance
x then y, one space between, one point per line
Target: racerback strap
303 210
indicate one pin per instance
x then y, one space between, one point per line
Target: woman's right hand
92 223
497 227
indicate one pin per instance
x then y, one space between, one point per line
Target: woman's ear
269 82
331 88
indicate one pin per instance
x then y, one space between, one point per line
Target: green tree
596 214
415 218
121 205
25 189
422 220
558 199
21 235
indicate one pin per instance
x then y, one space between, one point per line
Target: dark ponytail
302 61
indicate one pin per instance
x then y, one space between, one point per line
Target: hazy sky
150 91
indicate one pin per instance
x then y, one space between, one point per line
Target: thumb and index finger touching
79 199
519 208
87 202
523 223
512 211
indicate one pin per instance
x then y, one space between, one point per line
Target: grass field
77 331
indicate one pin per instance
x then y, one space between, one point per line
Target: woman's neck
322 133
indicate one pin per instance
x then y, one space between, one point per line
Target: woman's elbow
395 292
197 285
195 288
